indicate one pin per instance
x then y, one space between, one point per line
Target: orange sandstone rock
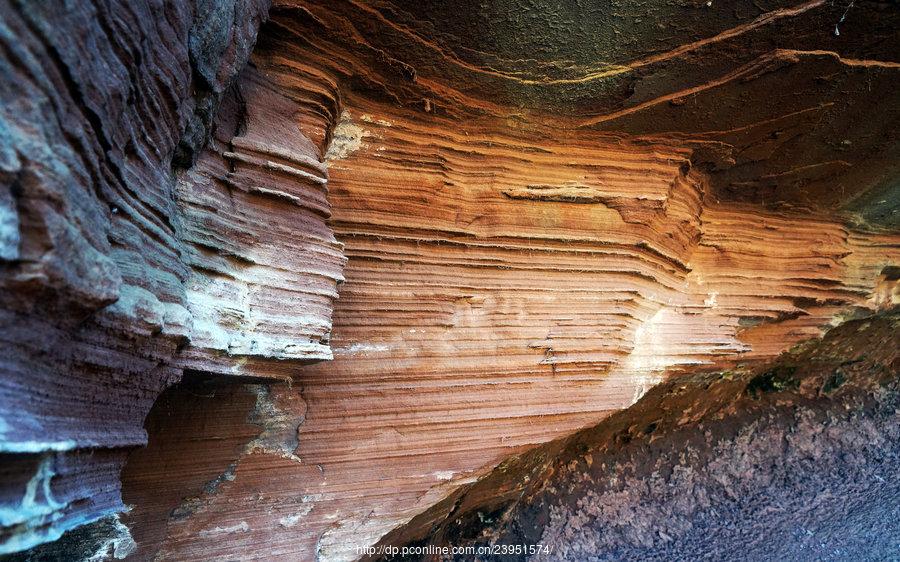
406 241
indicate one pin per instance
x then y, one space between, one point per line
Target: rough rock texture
264 265
794 460
106 267
776 97
510 279
540 212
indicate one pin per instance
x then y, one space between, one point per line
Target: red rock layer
264 265
777 96
706 465
473 324
512 276
503 287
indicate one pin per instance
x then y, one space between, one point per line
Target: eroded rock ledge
121 267
523 243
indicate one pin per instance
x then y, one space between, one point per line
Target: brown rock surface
507 282
540 212
93 304
114 257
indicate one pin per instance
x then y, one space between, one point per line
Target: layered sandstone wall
506 283
507 271
788 460
264 264
119 267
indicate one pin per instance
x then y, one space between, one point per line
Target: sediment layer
396 244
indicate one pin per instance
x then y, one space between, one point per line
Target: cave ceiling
775 98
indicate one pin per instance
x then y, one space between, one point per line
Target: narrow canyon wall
384 256
93 300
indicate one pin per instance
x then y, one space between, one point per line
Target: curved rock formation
95 120
487 227
115 257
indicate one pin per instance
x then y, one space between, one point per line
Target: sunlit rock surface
400 242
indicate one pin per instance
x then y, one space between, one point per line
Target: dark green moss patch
833 382
777 379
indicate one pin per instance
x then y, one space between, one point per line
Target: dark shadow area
197 430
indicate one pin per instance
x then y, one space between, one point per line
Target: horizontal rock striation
507 282
787 460
264 264
93 297
532 214
775 97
